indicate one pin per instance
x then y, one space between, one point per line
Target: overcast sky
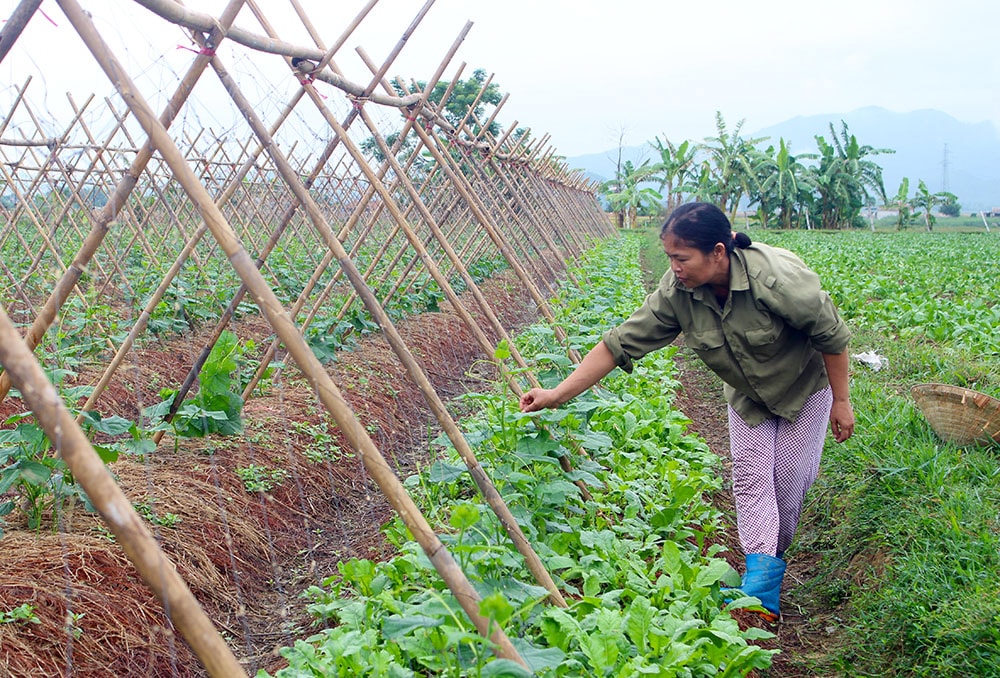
589 72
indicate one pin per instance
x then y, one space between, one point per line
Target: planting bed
246 556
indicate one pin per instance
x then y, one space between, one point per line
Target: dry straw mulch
246 557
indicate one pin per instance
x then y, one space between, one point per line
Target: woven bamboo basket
959 415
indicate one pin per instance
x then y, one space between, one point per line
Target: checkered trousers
774 464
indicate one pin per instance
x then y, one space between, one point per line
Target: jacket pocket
707 339
765 342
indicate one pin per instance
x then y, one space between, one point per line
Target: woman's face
695 268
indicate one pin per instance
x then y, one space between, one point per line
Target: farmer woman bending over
756 315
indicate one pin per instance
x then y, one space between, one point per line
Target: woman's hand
538 399
841 414
842 420
594 367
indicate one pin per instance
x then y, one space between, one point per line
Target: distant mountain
601 166
929 145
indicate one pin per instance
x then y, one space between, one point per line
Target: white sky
588 72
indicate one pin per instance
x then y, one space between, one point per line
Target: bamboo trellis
127 214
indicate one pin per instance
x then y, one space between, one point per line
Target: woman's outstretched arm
594 367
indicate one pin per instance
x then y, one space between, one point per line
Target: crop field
629 534
905 524
260 357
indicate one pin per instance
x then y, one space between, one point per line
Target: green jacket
766 343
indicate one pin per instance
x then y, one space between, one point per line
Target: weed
22 614
261 478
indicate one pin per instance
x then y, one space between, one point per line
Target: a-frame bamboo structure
408 217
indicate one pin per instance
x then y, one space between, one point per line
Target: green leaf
464 516
556 358
34 472
588 478
107 453
712 573
671 558
540 448
556 493
162 408
596 441
112 426
603 539
559 562
443 472
591 585
495 607
558 627
540 659
505 668
502 351
8 477
139 446
397 626
601 648
639 622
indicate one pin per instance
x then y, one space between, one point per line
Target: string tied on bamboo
204 51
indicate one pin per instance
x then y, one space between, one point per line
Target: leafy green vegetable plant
635 564
260 478
218 406
39 480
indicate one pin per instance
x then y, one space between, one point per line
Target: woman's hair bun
742 240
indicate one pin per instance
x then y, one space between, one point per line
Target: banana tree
782 185
676 161
925 200
729 159
629 193
901 203
845 180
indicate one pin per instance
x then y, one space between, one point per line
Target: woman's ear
719 250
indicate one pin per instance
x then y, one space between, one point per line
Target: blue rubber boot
763 580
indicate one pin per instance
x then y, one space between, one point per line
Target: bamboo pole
15 24
271 307
468 194
413 369
443 159
101 225
456 260
277 232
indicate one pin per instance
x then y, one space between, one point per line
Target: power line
944 169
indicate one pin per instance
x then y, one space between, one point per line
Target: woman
757 316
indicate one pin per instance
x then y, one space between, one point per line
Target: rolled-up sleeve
653 325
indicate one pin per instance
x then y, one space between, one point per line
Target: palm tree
672 170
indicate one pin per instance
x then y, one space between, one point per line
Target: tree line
832 188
